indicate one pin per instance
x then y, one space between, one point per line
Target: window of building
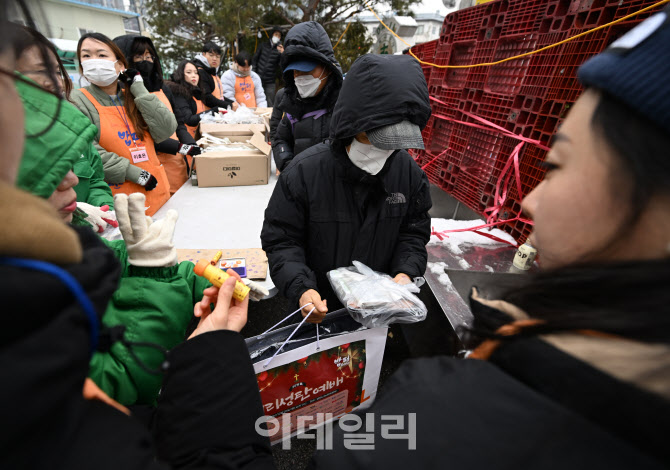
83 31
419 30
132 25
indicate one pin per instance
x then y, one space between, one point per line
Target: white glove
149 243
98 217
257 291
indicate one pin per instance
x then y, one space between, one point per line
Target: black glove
128 76
147 180
186 149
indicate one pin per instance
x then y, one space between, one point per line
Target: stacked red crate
528 96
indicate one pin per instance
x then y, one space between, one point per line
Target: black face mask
145 68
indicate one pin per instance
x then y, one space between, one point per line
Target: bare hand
235 105
313 298
228 313
402 279
280 48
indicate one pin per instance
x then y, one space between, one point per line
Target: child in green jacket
155 299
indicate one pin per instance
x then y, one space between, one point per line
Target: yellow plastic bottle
217 277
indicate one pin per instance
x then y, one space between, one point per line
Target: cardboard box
235 168
228 130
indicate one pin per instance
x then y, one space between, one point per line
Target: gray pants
269 89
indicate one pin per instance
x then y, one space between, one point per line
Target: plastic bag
373 299
243 115
209 118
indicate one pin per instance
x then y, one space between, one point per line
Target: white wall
61 20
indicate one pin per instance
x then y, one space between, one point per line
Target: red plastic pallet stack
529 96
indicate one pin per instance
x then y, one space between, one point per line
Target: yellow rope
521 55
345 32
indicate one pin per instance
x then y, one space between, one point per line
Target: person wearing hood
313 81
208 62
242 85
360 196
176 152
266 62
129 120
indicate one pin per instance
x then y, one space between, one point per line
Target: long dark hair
181 86
138 122
630 299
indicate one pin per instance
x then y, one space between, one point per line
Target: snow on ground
453 241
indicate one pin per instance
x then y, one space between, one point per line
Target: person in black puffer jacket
277 114
308 51
266 62
330 207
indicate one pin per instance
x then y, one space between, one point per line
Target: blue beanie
635 69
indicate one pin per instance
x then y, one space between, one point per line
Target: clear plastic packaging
373 299
243 115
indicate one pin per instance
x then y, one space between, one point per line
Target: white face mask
100 72
367 157
307 84
275 40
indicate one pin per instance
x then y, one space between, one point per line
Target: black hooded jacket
325 212
309 41
207 85
266 61
154 83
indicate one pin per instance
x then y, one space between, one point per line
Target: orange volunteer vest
114 138
245 92
174 165
218 90
200 107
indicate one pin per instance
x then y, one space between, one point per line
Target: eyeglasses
145 56
51 104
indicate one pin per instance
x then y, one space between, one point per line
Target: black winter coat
325 212
307 40
277 114
44 359
154 82
185 107
266 61
207 85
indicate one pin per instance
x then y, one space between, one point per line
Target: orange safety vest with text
175 166
114 138
245 92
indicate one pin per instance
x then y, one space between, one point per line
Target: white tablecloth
221 218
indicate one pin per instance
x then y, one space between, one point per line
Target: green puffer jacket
92 188
160 120
154 304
